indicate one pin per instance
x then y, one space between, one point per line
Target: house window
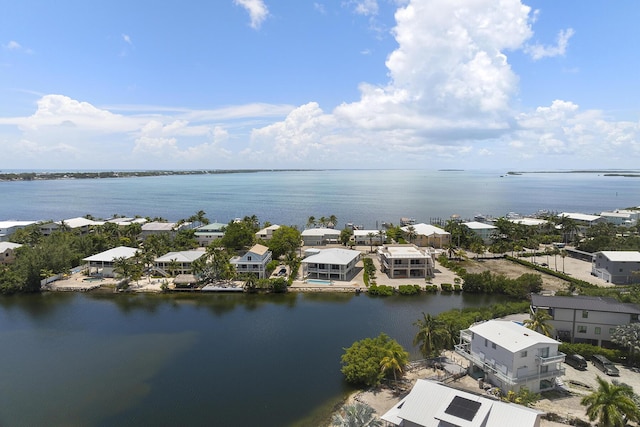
523 353
597 330
585 314
544 352
485 342
611 330
493 345
582 329
249 258
544 369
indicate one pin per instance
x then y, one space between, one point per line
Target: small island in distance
608 172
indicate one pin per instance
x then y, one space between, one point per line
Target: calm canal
130 360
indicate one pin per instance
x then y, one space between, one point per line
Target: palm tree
381 236
430 335
563 254
411 233
539 322
311 222
333 220
356 415
370 236
395 359
612 404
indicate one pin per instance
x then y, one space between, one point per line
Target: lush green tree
431 335
184 240
311 222
356 415
628 337
394 360
611 404
285 240
237 236
361 362
345 235
411 233
370 236
539 322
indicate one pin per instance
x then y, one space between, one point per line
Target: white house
179 261
102 264
267 233
404 261
482 230
512 356
254 261
331 264
369 237
78 224
155 227
210 232
626 218
428 235
320 236
619 267
7 228
584 319
7 255
433 404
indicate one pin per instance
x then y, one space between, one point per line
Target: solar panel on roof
463 408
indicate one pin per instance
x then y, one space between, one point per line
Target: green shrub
381 290
431 288
446 287
588 350
409 289
457 287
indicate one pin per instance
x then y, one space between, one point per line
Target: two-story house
482 230
209 232
7 255
428 235
331 264
405 261
320 236
174 263
254 261
511 355
583 319
267 233
103 264
618 267
7 228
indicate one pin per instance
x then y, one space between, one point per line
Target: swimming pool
319 282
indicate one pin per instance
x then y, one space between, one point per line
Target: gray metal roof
584 303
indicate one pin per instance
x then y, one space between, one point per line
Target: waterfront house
433 404
331 264
7 228
254 261
584 319
7 252
368 237
428 235
482 230
511 356
102 264
174 263
209 232
404 261
621 217
267 233
79 225
618 267
320 236
170 228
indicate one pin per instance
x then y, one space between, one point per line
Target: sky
266 84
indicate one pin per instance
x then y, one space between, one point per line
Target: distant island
38 176
608 172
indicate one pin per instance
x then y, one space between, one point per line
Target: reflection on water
268 360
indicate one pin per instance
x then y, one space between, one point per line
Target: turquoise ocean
364 197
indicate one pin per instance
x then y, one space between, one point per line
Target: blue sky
482 84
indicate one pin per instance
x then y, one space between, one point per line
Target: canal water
197 360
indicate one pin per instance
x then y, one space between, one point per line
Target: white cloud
127 39
365 7
12 45
538 51
257 9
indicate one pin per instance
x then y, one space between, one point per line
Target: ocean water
364 197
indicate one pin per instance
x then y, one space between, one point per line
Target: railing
551 359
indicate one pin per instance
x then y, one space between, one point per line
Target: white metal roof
158 226
320 231
335 256
475 225
111 254
8 245
622 256
365 233
425 229
180 256
528 221
427 404
10 224
403 251
78 222
579 216
510 335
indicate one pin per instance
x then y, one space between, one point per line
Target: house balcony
489 366
559 358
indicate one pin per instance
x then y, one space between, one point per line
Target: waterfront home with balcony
209 232
320 236
174 263
254 261
584 319
102 264
428 235
511 356
267 233
7 228
331 264
405 261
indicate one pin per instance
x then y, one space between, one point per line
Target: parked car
576 361
605 365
